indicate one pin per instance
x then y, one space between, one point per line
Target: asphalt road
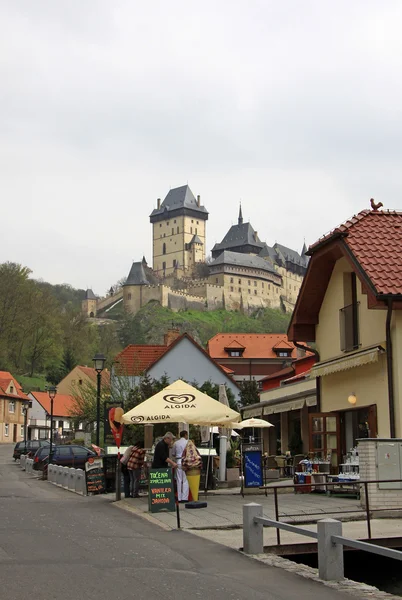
57 545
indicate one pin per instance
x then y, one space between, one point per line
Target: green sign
161 490
95 476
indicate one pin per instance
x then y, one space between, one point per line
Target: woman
134 466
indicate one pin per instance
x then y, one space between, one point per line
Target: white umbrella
256 423
180 402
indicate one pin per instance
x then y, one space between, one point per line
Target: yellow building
12 404
350 305
178 233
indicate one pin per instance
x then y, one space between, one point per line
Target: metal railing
330 541
367 509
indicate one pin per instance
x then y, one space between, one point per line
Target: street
57 545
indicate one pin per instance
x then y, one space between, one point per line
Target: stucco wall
185 361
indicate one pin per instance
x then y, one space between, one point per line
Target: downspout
390 370
318 379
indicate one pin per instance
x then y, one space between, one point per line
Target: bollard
80 483
66 474
50 473
330 555
253 533
23 459
59 475
71 479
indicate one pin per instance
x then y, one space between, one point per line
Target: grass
37 382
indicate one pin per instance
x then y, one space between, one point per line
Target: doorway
15 426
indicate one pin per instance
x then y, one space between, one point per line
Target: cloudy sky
292 107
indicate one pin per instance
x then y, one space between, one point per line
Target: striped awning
342 363
284 406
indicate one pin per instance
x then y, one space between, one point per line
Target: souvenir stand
348 475
311 471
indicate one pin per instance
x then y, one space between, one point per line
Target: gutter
390 369
318 379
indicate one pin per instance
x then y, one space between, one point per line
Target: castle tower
88 306
179 230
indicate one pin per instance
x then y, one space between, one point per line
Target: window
197 222
249 282
11 389
255 292
22 431
239 290
174 263
11 406
80 426
283 353
174 221
60 424
172 230
167 223
164 235
160 224
249 291
79 451
6 429
192 221
164 248
178 229
349 315
277 291
234 353
191 230
239 280
231 280
63 451
128 298
231 288
269 286
255 284
164 266
262 284
216 280
196 231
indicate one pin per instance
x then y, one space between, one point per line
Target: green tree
249 392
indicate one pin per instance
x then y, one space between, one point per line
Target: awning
357 359
311 401
252 412
284 407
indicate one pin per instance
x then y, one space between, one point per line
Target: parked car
28 447
41 458
70 455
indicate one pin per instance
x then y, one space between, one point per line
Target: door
325 438
15 432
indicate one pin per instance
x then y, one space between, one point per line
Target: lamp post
25 407
99 364
52 391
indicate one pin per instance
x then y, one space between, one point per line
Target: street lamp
99 364
25 407
52 391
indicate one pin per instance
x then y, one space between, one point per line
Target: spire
304 249
240 221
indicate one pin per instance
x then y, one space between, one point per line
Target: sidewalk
225 510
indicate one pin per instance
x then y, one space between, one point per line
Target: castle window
164 235
197 222
80 380
164 248
174 221
255 292
262 284
216 280
255 284
249 291
164 266
160 224
178 230
277 291
172 230
231 280
269 286
231 288
191 230
128 298
249 282
239 280
174 263
196 231
192 221
167 223
239 289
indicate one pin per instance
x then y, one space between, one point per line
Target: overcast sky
292 107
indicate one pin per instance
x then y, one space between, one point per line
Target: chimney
198 200
158 203
170 336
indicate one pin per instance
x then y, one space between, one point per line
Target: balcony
349 327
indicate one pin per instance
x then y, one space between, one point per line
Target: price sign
95 476
161 490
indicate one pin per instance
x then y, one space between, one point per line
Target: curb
122 505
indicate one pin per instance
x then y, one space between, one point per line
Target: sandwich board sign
161 490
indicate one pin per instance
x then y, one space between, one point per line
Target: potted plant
232 462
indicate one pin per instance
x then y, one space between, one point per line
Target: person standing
177 453
134 466
125 472
161 454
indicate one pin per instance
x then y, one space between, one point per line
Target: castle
243 274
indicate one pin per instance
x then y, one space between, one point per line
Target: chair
281 464
271 462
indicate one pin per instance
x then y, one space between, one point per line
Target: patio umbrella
257 423
180 402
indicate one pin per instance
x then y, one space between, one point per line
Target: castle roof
137 275
291 255
196 240
243 260
89 295
178 199
238 236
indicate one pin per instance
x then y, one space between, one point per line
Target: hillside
152 321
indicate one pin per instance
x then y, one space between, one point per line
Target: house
179 358
12 402
81 376
350 305
39 416
299 367
254 355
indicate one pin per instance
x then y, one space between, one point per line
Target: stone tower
179 230
88 306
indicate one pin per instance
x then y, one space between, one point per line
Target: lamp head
52 391
99 362
352 399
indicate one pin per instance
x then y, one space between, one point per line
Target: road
55 545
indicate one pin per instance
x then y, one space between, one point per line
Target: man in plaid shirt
134 466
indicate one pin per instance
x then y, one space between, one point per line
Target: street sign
253 469
95 476
161 490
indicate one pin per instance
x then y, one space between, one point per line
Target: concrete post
223 443
284 432
253 533
330 555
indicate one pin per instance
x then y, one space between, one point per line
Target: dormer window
284 353
11 389
235 353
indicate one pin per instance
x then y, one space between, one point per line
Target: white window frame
11 405
6 430
22 431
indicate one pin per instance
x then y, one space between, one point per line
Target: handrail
285 527
373 548
327 483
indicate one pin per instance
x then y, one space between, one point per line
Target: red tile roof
226 369
92 374
62 404
256 345
375 239
5 379
135 359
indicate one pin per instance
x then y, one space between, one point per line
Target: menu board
95 476
161 490
253 469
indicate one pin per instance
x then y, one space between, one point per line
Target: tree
249 392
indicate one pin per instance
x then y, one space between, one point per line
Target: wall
379 498
396 334
371 322
15 418
186 361
66 385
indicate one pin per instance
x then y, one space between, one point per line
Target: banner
112 426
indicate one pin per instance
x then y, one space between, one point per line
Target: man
177 452
161 454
